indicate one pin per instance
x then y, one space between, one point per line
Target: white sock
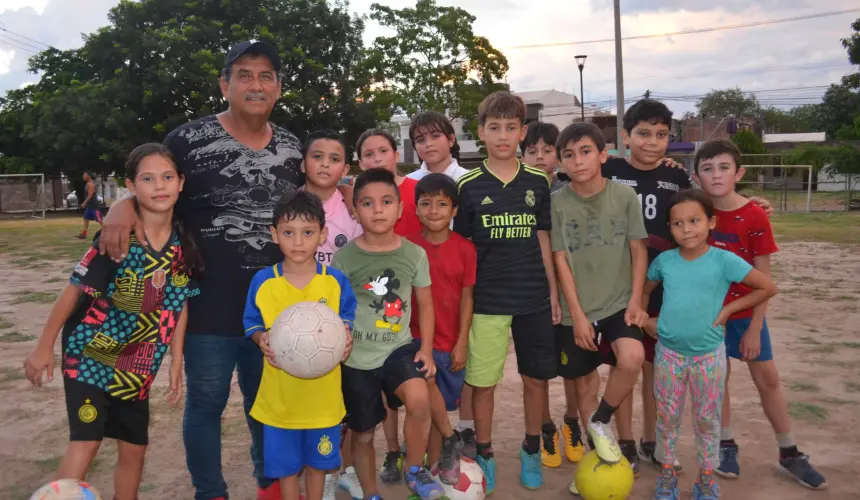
466 424
349 470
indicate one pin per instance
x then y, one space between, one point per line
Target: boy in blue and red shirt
744 229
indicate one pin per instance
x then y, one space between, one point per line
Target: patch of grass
839 402
844 297
807 411
5 323
806 339
15 337
11 374
146 488
850 345
801 387
836 227
852 386
56 280
35 297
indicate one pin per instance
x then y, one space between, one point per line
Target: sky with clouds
778 56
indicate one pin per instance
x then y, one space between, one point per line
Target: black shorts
362 389
575 362
95 415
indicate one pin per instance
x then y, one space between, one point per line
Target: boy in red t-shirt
743 228
453 261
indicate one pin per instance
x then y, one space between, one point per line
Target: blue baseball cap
253 47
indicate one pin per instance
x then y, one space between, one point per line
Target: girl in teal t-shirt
690 331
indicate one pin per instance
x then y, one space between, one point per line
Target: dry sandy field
813 323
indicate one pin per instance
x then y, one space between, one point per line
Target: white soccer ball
66 489
308 339
471 485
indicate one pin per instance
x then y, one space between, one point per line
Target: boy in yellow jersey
301 417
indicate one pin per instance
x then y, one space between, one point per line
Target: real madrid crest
530 198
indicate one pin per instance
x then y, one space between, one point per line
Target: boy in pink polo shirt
324 166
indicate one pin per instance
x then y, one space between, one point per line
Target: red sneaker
273 492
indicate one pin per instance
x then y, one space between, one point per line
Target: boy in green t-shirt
384 269
598 238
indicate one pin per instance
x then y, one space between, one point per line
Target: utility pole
619 83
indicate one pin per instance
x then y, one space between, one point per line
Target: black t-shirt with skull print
227 203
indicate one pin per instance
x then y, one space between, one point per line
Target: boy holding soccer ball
301 417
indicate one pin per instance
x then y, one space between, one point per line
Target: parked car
72 200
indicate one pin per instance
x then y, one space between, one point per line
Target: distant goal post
22 195
788 180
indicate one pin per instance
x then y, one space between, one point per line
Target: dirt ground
817 352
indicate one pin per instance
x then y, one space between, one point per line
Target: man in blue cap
236 165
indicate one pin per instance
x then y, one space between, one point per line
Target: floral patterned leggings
705 377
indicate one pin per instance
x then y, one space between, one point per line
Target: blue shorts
735 329
286 451
92 214
450 383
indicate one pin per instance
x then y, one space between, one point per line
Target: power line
11 44
692 31
3 28
20 42
742 72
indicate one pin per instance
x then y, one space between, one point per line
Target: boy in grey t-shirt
598 238
384 270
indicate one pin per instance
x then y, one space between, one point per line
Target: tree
795 120
156 66
839 107
729 102
852 46
434 61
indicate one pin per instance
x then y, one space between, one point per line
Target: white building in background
552 106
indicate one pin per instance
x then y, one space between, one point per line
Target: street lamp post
580 62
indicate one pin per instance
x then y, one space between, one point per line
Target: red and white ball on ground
471 486
308 339
66 489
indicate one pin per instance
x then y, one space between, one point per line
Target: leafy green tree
433 60
156 65
729 102
795 120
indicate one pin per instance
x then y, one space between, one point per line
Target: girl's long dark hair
191 258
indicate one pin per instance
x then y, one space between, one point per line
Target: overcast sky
787 55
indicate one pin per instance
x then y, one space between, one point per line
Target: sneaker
348 482
647 451
271 492
729 467
574 450
550 455
488 467
706 488
667 485
604 442
470 446
392 467
628 449
802 471
449 460
420 483
330 487
572 488
531 474
81 237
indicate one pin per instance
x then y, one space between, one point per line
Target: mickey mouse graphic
391 305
